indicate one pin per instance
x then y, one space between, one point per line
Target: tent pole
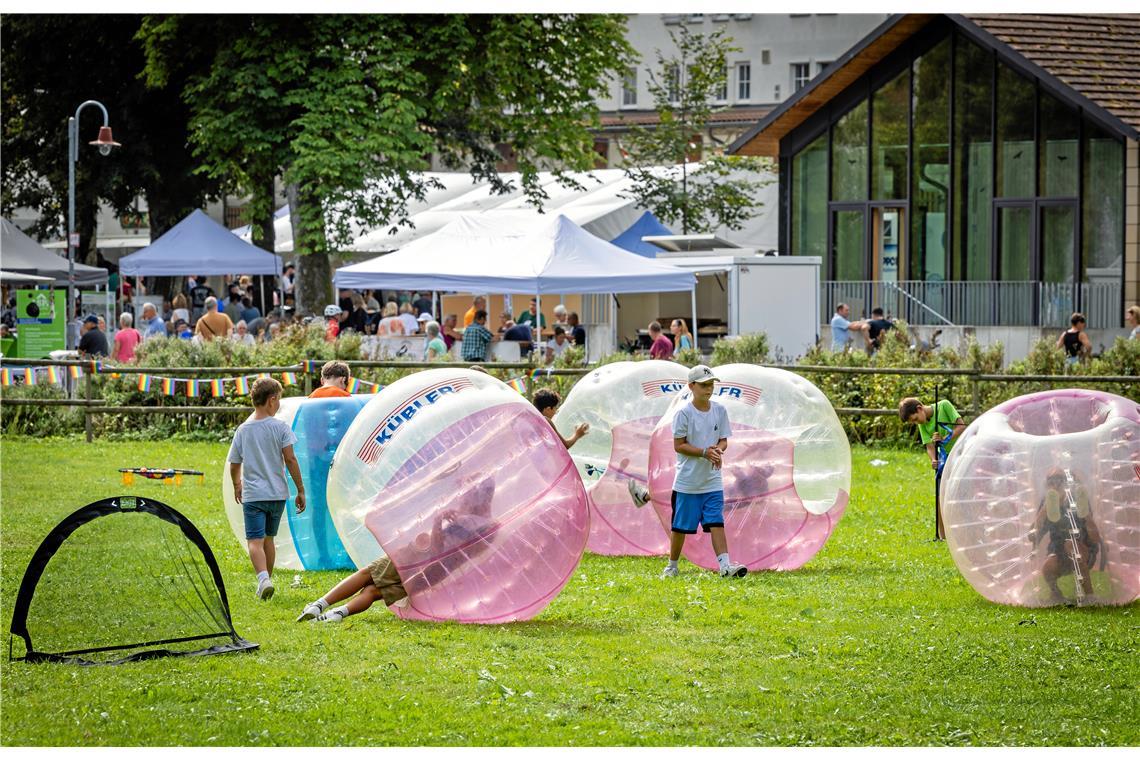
435 306
696 345
538 345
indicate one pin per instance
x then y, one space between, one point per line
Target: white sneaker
332 616
638 492
734 571
670 572
311 611
265 589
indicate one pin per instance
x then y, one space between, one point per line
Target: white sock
263 576
340 612
672 564
722 560
321 604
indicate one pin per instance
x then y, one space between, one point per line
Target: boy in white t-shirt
700 437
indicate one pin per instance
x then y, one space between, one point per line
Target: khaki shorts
387 581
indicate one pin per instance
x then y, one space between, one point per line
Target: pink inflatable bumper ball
786 474
622 403
467 489
1041 500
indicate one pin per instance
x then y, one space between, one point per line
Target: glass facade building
952 183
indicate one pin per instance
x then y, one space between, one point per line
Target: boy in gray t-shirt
700 436
261 450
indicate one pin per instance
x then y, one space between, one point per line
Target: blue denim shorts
693 509
262 518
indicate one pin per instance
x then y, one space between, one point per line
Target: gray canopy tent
20 254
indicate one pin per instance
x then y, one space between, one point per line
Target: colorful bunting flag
29 376
52 375
241 386
144 383
192 388
311 365
168 386
74 372
216 388
5 377
262 375
519 384
289 378
353 385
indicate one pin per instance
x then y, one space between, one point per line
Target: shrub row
863 391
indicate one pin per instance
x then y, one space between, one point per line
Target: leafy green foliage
51 64
745 349
877 640
40 421
349 109
717 193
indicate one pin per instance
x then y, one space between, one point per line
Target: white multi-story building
779 54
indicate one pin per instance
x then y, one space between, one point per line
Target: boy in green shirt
937 425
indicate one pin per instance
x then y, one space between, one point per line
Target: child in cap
700 437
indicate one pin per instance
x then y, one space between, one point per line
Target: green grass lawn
878 640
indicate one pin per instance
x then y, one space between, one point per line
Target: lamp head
105 142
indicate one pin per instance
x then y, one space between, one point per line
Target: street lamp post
105 143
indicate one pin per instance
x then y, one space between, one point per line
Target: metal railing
1006 304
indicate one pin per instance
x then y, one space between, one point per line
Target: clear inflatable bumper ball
468 490
306 541
622 403
1041 500
787 470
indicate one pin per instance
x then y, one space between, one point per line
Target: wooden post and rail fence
92 406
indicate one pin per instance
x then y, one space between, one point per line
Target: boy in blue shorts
261 450
700 437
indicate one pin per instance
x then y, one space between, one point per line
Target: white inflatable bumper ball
1041 500
468 490
622 402
787 470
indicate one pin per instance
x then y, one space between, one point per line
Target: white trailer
778 295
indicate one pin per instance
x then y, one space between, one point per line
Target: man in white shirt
841 328
557 345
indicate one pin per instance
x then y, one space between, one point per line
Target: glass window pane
1016 166
1102 230
849 245
849 156
889 135
1057 162
809 199
973 154
931 163
1058 236
1013 243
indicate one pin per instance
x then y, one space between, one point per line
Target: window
801 75
744 81
671 19
1103 204
889 124
849 155
765 57
809 199
776 92
1015 153
973 156
821 65
673 83
629 87
721 94
930 163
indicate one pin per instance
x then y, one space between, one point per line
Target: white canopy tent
505 254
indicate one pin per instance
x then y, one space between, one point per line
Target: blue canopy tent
631 239
199 245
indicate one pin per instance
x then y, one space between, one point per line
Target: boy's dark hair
544 398
877 311
335 368
480 314
559 330
1077 318
264 388
907 407
655 326
246 301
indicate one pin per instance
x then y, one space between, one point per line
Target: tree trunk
268 241
313 286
